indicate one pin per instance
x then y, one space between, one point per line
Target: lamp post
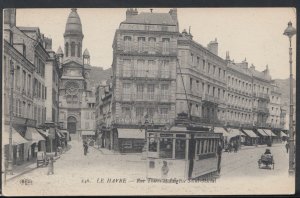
290 31
11 111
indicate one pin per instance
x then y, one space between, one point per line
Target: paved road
77 174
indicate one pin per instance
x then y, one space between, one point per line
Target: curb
27 171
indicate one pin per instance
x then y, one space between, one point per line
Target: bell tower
73 37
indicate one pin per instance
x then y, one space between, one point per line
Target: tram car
182 153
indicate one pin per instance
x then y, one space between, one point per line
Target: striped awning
269 132
234 133
261 132
131 134
250 133
16 137
282 134
221 130
33 135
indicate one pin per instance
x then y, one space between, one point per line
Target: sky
252 33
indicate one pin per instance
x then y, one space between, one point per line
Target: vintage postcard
148 101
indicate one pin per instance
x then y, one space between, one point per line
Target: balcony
136 121
263 95
147 97
135 50
162 74
209 98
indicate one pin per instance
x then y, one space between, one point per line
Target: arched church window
67 49
73 49
79 50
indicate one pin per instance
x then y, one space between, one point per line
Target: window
213 93
139 112
192 58
79 50
152 143
126 112
29 84
203 64
166 45
198 61
220 73
87 125
127 43
214 70
166 146
126 90
208 68
150 112
67 49
191 83
24 109
73 49
152 43
140 91
180 145
141 44
140 67
165 69
150 90
164 112
24 81
164 91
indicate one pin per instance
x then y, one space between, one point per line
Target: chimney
244 64
131 12
186 34
173 13
48 43
252 67
227 56
213 46
10 17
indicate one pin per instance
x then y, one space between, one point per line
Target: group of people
232 146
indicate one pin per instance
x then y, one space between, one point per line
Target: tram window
202 147
180 149
180 135
205 146
152 144
209 146
166 147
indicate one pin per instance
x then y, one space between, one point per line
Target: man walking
219 152
85 147
287 146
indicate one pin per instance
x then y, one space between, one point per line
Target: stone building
201 82
144 73
24 50
275 108
76 97
239 94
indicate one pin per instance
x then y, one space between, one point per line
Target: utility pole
11 111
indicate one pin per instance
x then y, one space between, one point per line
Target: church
76 96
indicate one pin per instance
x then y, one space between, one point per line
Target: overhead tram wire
187 101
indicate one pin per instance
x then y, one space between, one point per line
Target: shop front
251 138
129 140
36 143
263 137
272 136
18 145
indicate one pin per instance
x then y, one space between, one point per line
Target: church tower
74 93
73 37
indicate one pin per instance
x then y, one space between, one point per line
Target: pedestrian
287 146
85 147
235 147
219 152
164 170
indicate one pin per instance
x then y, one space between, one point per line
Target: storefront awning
234 133
59 134
250 133
131 134
88 133
269 132
33 135
16 137
45 133
221 130
261 132
283 134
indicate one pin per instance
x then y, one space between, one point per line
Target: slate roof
151 18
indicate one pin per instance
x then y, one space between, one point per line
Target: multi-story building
239 94
24 50
144 69
274 119
51 83
201 82
76 97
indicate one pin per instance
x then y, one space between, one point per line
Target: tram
182 153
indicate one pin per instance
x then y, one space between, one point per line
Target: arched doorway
71 126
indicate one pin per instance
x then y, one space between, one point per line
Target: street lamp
290 31
10 149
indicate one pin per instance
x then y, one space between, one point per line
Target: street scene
140 106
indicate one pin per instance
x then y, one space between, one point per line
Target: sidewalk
22 169
105 151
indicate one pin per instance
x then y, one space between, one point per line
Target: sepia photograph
148 101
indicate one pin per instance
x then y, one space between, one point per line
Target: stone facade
144 68
76 97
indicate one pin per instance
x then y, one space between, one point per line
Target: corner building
144 72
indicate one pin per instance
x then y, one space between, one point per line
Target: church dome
73 25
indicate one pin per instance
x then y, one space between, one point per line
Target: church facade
76 97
